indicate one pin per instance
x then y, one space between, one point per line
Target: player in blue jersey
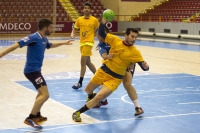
36 44
104 52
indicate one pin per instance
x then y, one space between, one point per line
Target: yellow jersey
123 55
87 28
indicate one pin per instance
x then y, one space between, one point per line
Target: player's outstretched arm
68 42
9 49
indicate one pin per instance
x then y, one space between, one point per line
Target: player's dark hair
44 23
128 30
87 4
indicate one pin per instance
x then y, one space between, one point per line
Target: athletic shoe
102 103
138 111
76 116
33 123
40 119
77 86
88 99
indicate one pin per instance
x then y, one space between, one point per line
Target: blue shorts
36 79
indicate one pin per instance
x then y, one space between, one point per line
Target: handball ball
108 15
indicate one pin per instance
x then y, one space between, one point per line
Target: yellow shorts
101 77
86 50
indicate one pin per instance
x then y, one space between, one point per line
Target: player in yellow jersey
87 25
111 73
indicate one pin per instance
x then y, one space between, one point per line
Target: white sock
136 103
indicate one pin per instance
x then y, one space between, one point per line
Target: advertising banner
18 27
31 27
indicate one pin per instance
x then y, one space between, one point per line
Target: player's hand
68 42
131 66
72 35
110 56
145 65
103 21
97 48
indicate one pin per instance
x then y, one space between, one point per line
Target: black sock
90 96
31 116
38 114
80 80
83 109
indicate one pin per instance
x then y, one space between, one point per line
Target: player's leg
40 84
132 92
85 54
110 84
102 94
129 88
39 117
90 65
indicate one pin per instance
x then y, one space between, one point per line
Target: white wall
175 28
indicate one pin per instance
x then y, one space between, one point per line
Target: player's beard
47 32
87 13
130 43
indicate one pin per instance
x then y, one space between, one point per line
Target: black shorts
36 79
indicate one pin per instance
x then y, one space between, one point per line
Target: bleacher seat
177 9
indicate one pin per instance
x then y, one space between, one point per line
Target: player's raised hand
103 21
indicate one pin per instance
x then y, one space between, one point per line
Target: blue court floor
170 102
178 45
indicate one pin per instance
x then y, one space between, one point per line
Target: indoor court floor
168 92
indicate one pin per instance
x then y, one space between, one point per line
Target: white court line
123 99
164 111
140 118
49 98
29 83
190 103
167 77
142 91
173 95
88 81
170 41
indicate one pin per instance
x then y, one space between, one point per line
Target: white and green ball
108 15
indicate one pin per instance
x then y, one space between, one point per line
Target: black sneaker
138 111
77 86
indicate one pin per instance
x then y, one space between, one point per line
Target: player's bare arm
68 42
9 49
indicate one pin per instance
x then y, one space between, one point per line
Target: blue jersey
103 48
36 46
